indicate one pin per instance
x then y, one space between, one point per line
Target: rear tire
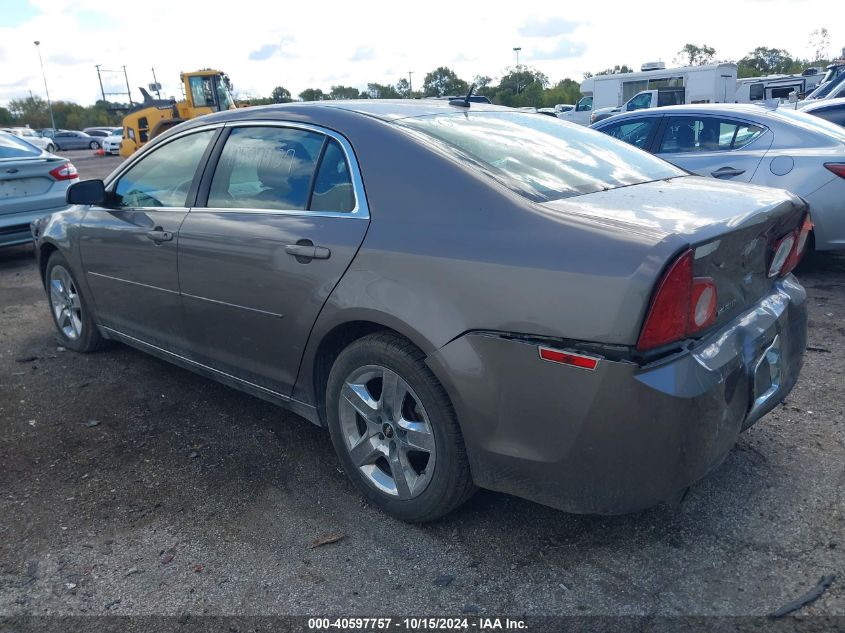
51 148
70 309
389 439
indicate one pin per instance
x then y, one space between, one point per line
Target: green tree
31 111
624 68
312 94
565 91
403 88
6 117
820 43
379 91
442 82
694 55
765 61
521 87
344 92
280 95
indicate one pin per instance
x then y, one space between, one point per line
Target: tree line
518 86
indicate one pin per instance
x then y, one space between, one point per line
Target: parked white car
111 143
779 147
32 137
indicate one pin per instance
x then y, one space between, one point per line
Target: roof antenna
464 103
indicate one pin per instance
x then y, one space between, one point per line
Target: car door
276 224
720 147
63 140
129 247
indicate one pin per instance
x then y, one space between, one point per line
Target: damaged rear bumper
624 436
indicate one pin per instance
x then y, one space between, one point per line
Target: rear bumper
623 437
15 228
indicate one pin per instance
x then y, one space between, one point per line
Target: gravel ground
130 486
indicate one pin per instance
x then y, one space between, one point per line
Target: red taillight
681 306
567 358
836 168
800 248
64 172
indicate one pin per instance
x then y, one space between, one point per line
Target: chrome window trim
139 154
361 209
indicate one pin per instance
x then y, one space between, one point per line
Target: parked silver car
465 296
832 110
69 139
32 137
778 147
32 184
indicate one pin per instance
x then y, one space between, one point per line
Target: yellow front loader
206 91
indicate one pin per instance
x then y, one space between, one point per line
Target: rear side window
540 157
266 168
13 147
633 132
333 183
684 134
163 177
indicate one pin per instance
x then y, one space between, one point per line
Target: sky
320 43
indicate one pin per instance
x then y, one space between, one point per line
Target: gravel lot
130 486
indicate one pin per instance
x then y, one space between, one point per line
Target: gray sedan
68 139
465 296
832 110
747 143
33 183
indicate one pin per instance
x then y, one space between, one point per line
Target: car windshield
13 147
540 157
812 123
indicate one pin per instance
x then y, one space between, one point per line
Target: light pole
410 84
44 76
516 50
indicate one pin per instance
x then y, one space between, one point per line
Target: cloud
67 59
362 53
564 49
271 50
460 57
552 27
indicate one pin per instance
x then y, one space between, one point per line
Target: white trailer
761 89
710 83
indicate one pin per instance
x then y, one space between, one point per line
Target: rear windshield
13 147
540 157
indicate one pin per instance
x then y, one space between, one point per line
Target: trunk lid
732 227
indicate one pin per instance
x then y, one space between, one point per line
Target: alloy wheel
65 302
387 432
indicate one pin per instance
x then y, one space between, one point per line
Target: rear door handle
158 235
307 251
726 172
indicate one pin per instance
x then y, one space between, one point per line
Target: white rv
711 83
761 89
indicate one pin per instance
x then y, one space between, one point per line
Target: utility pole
44 75
516 50
100 79
128 91
155 81
410 85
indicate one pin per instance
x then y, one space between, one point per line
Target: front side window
640 101
584 105
632 132
163 177
686 134
266 168
538 156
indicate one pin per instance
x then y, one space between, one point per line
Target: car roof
823 104
384 109
736 109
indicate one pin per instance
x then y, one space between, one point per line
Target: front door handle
305 251
727 172
158 235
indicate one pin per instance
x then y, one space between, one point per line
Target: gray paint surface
448 253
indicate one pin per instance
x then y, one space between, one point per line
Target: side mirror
86 192
793 97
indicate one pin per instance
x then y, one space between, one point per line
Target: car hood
692 207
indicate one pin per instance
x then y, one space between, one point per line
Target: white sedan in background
779 147
32 137
111 143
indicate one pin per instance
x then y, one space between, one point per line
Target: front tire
70 310
94 145
395 431
51 148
